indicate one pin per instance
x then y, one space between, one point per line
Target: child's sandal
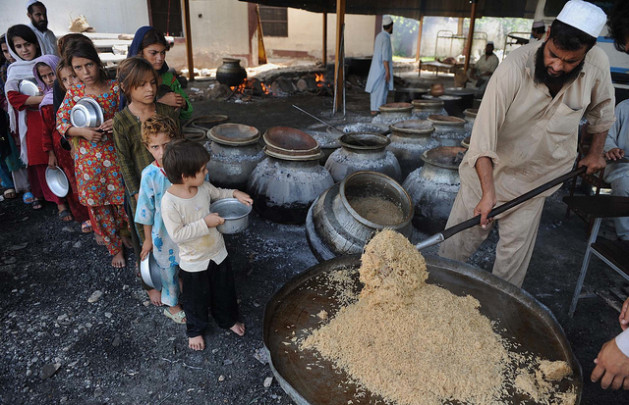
177 317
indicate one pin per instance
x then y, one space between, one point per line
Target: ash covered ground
58 347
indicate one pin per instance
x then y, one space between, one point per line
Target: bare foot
196 343
126 241
155 297
99 239
118 260
238 328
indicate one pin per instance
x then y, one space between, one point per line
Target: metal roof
414 8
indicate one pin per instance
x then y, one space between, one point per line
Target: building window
274 21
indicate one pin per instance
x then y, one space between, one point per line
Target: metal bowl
86 113
234 134
235 213
150 271
29 87
57 181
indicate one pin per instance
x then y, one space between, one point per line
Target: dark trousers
213 288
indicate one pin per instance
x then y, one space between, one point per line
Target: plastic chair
614 253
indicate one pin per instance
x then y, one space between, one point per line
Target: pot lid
448 157
445 97
395 107
446 120
361 127
194 134
425 103
359 141
326 139
295 158
466 142
290 142
234 134
206 121
470 112
413 127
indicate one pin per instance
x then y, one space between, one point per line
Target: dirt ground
56 347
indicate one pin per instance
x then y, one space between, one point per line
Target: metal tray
518 316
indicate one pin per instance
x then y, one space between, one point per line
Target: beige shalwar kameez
531 138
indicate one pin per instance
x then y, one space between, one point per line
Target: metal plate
518 316
57 181
150 271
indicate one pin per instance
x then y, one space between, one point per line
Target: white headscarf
18 71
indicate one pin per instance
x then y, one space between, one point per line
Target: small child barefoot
196 343
238 328
118 261
155 297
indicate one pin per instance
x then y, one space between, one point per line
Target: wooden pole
188 33
470 37
324 53
339 81
419 38
261 50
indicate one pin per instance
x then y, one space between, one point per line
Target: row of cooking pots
286 182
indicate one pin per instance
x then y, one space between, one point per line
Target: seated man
617 173
538 31
479 75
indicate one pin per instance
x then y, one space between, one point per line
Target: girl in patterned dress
99 181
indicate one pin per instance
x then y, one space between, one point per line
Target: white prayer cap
31 2
387 20
583 16
539 24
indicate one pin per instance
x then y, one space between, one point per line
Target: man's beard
41 26
541 72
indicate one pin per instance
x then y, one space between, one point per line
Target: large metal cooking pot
310 380
235 151
433 187
466 97
451 103
409 140
345 216
328 141
393 112
230 73
282 190
469 115
449 131
422 108
363 152
408 94
360 128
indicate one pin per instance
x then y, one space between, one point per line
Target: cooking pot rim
391 182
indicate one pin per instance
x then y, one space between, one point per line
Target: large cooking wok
519 317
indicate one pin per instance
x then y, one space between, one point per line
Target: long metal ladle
448 232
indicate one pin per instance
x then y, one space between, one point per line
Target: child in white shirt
206 272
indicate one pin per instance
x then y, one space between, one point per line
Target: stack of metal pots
393 112
409 140
290 178
434 186
343 218
235 151
423 108
363 152
449 131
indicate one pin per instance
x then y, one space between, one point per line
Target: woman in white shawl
24 113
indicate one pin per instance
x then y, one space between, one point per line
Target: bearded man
36 11
526 132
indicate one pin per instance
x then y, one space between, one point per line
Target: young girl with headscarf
151 45
98 175
25 120
45 74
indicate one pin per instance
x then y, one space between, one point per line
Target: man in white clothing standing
36 11
380 79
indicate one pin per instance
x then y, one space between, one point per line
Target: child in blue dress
157 132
